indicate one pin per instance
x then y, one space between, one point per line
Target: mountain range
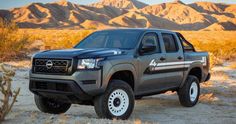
174 15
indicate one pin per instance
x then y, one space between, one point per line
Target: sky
7 4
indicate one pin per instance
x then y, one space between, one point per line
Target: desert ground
217 104
58 25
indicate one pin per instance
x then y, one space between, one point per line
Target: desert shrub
7 96
220 51
12 44
221 45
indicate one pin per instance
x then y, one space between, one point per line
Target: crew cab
109 69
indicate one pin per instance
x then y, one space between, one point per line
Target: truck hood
80 53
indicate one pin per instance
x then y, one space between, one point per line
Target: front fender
115 68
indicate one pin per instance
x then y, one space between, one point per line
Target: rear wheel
189 93
51 106
117 101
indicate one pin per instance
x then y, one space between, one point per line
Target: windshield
124 39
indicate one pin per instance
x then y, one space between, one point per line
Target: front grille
51 66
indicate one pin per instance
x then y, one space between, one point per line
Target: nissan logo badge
49 64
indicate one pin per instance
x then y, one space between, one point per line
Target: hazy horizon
15 3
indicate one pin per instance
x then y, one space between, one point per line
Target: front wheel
51 106
189 93
117 101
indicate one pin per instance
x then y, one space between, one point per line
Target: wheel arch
195 70
124 72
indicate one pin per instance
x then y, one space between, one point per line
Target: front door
150 79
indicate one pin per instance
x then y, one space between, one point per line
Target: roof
140 29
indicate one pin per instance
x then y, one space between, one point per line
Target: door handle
162 58
180 58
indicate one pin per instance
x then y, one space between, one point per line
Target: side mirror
147 48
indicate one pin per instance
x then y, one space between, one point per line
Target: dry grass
17 43
208 98
219 75
12 43
220 44
56 39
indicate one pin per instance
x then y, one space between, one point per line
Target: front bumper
80 86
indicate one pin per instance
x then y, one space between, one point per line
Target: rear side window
151 39
170 43
188 47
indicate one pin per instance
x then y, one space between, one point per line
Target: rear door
174 63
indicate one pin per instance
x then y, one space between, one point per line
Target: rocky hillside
174 15
123 4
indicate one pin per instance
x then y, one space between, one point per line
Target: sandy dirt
217 104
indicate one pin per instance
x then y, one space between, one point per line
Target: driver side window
151 39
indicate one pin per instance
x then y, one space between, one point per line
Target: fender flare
186 73
117 68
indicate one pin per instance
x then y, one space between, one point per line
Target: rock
51 117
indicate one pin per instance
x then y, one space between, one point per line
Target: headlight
88 63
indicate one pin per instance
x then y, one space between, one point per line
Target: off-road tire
51 106
102 103
187 91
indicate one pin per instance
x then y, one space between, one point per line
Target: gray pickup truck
109 69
